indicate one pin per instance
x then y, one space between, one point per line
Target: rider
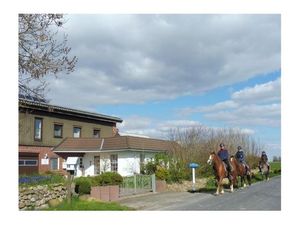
239 155
263 159
223 154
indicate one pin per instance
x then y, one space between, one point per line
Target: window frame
27 160
96 129
114 162
57 168
35 129
80 128
58 124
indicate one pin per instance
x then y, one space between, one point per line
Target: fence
137 184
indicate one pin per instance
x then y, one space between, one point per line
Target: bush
83 185
109 178
161 173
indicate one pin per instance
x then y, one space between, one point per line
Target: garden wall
37 197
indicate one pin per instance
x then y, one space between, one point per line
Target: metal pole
193 170
153 183
134 178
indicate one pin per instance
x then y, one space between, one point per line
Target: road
264 195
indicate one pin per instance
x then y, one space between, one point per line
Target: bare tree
41 51
196 143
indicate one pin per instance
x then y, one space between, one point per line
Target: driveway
264 195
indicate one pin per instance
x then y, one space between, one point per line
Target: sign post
193 166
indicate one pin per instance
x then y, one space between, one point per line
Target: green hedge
84 184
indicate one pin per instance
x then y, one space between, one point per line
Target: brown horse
241 171
221 172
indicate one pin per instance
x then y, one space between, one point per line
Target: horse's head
211 157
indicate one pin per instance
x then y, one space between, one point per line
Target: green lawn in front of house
78 204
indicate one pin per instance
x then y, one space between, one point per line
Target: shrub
161 173
83 185
110 178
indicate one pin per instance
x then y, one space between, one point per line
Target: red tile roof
113 144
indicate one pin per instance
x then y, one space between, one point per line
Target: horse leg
221 186
249 179
242 182
218 187
245 185
222 189
231 184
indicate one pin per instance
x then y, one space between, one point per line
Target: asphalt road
264 195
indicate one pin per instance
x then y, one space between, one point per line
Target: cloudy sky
162 71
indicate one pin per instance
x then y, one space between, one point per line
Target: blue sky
165 71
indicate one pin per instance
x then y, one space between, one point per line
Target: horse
221 172
241 171
264 170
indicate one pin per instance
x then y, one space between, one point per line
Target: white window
38 129
76 132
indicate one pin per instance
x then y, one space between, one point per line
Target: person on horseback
263 159
239 155
223 154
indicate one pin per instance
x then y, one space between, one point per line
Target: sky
162 71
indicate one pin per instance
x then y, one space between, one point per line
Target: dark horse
221 172
241 171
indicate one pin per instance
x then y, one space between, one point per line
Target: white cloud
267 92
251 106
212 108
153 128
140 58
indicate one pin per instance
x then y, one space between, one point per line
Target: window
96 133
76 132
58 131
28 162
54 163
80 162
114 163
142 162
38 129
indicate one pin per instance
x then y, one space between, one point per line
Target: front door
96 165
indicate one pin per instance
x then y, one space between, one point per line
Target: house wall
26 128
128 162
41 153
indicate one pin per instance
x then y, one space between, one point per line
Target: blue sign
193 165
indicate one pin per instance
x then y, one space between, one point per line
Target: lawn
77 204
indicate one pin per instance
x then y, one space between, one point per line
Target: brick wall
42 151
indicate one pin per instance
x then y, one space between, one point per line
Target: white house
122 154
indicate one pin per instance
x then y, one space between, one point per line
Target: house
43 126
122 154
50 134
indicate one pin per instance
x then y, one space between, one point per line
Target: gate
137 184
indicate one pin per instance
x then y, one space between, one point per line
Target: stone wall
37 197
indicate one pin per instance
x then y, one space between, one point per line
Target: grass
77 204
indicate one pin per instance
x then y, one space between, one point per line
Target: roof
117 143
72 160
42 106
